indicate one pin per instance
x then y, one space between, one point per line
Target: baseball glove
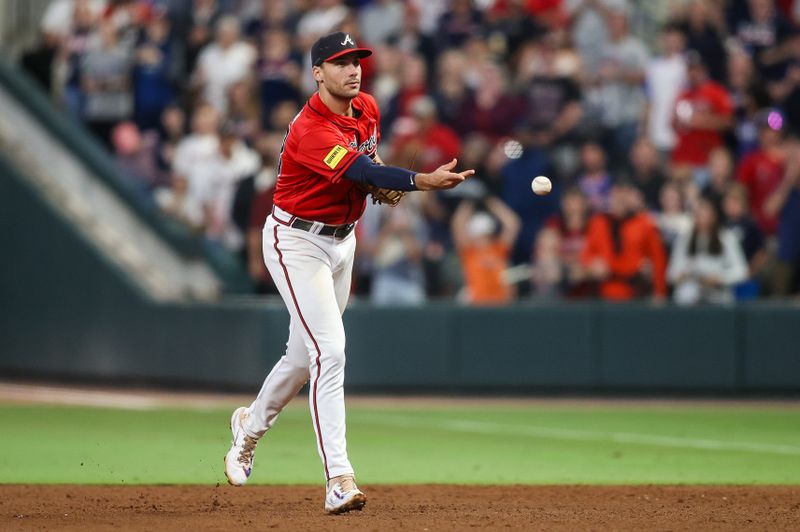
384 196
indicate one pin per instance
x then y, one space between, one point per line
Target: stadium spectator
569 231
268 15
784 202
784 89
484 250
509 25
624 255
412 78
278 72
547 270
106 83
736 218
69 59
761 29
171 130
524 160
397 255
381 20
589 31
130 18
554 107
761 171
410 39
64 18
646 172
244 110
135 155
671 218
720 174
193 176
703 24
665 77
223 62
154 73
594 179
491 109
617 87
460 22
195 23
707 261
702 113
422 140
450 87
282 114
748 95
223 173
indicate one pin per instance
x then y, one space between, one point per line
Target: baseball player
328 166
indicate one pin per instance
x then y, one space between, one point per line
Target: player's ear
317 72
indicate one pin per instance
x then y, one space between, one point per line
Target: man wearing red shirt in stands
702 113
761 171
422 139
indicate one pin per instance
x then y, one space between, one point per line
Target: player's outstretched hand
441 178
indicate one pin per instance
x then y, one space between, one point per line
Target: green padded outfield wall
66 312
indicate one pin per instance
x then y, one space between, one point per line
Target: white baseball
541 186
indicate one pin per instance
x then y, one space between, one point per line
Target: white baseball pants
312 274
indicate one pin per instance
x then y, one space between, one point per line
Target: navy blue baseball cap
335 45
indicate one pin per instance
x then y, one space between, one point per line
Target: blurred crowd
669 129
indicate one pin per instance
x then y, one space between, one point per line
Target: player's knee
334 356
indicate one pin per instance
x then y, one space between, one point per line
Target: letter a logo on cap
348 40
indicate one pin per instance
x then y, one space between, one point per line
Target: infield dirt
429 507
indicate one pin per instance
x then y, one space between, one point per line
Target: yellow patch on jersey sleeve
335 156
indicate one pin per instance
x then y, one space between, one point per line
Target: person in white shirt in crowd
233 162
58 21
224 62
664 79
185 199
707 261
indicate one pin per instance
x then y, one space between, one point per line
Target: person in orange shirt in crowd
624 254
703 111
484 251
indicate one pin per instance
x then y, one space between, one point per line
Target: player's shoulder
308 121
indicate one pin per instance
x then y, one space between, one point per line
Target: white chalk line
556 433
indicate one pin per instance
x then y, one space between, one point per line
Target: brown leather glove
384 196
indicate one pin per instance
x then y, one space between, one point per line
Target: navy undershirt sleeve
363 170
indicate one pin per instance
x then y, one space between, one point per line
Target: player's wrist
422 181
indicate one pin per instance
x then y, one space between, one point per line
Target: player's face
341 77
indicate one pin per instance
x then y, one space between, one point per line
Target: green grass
537 444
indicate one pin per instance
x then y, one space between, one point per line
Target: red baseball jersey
319 146
761 174
694 145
